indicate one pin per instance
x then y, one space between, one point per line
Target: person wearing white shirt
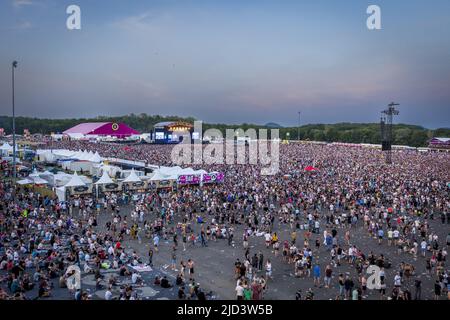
239 292
397 281
423 247
108 294
267 238
136 278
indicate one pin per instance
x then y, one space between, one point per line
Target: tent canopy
25 181
132 177
75 181
104 179
172 173
38 180
6 147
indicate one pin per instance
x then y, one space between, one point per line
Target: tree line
403 134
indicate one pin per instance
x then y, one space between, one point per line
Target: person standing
397 281
328 275
230 237
341 285
423 247
150 257
156 242
268 269
190 265
174 259
348 284
316 273
260 261
380 235
418 289
437 290
239 291
184 241
202 238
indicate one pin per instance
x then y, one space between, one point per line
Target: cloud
23 25
148 21
136 22
22 3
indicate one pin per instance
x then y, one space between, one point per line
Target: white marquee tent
132 177
75 181
104 179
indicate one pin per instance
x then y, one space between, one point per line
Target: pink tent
119 130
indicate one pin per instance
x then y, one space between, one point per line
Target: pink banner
196 178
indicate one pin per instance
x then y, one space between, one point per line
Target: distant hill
273 125
403 134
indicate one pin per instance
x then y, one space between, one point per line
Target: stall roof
132 177
75 181
105 178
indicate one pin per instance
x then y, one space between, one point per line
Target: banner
212 177
188 179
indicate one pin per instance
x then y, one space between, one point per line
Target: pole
14 65
298 128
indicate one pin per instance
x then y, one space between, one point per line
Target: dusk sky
228 61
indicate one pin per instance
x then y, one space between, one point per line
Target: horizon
100 118
229 62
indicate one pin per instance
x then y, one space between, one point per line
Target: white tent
25 181
172 173
112 170
61 179
60 193
75 135
104 179
6 147
75 181
80 155
95 158
34 174
132 177
37 180
159 176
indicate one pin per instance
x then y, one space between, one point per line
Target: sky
254 61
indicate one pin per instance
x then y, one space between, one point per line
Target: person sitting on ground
180 280
44 289
124 271
181 294
165 283
136 278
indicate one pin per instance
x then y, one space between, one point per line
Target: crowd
402 208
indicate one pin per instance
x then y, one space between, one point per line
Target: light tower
386 130
14 66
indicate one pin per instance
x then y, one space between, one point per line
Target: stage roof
102 129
